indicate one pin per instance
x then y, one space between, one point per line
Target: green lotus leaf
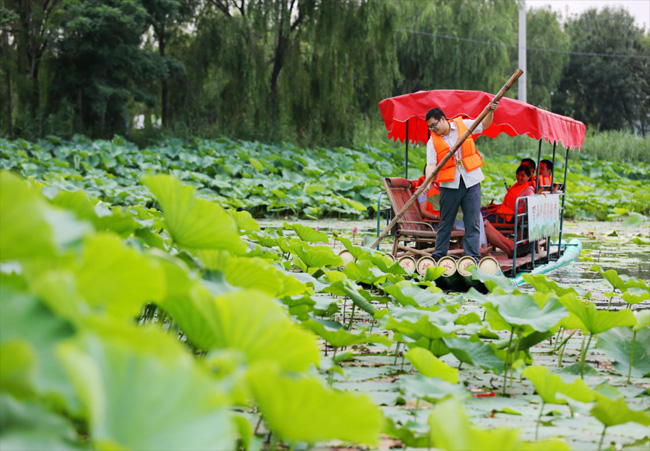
475 353
642 320
338 337
613 412
301 408
522 310
24 228
17 367
636 295
406 293
452 430
422 324
549 385
307 233
257 274
116 278
432 389
428 365
251 322
634 220
314 256
244 220
597 321
142 390
492 281
27 324
29 426
364 271
617 344
543 284
356 251
192 222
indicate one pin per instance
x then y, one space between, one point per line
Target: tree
545 69
606 83
99 64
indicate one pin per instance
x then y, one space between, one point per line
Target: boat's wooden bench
414 235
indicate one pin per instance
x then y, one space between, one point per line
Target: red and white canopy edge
511 117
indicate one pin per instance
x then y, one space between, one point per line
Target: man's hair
548 164
435 113
525 169
530 162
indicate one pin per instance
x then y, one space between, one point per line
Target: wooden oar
449 155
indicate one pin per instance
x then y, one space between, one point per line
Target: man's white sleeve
432 156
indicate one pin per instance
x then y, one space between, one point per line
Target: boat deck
524 262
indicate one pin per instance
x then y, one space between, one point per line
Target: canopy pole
553 171
539 156
449 155
566 166
406 160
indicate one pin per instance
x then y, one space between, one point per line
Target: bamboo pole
449 155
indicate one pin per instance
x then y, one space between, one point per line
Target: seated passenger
530 163
505 211
545 175
500 241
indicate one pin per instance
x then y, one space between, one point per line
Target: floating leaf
432 389
617 344
475 353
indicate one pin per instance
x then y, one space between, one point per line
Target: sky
639 9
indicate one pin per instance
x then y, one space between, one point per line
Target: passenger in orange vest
460 179
524 187
545 174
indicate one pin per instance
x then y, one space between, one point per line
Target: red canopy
512 116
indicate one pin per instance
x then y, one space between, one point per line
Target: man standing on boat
460 179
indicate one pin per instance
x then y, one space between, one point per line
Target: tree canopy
304 71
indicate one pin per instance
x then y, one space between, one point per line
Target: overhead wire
537 49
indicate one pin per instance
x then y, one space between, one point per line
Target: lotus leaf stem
610 302
397 352
563 347
505 370
584 355
602 437
541 410
629 370
516 355
351 316
417 406
560 333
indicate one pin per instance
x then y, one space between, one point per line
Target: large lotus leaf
303 409
257 274
432 389
614 412
492 282
597 321
549 385
29 426
428 365
543 284
251 322
356 251
17 367
522 310
192 222
307 233
452 430
24 228
422 324
119 221
26 320
338 337
244 220
364 271
406 293
621 282
642 320
475 353
142 390
617 344
314 256
117 278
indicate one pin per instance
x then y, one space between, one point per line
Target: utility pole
522 50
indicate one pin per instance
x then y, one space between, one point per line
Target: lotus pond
142 311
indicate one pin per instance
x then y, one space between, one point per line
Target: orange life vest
471 158
415 184
544 181
510 200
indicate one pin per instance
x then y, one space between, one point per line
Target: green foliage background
310 72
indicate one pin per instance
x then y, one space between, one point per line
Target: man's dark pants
469 200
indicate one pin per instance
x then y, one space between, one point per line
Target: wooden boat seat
414 235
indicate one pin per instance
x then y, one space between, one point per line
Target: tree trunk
81 109
278 61
164 88
9 111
